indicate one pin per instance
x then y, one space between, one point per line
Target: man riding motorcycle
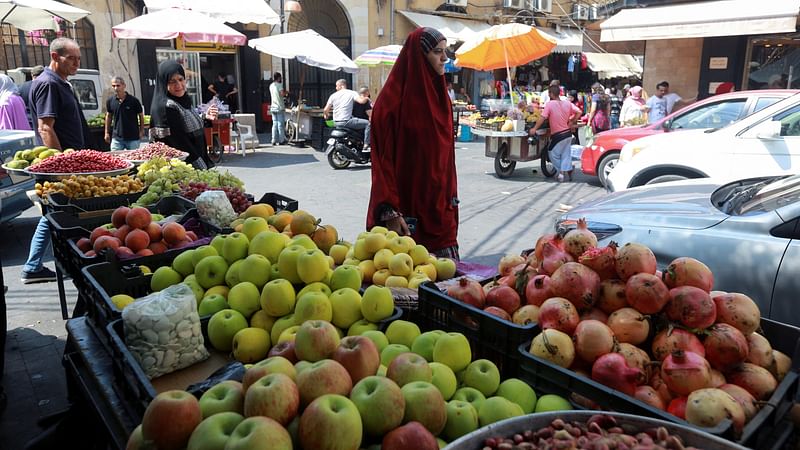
341 104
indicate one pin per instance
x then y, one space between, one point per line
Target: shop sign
719 62
180 44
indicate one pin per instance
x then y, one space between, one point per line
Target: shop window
774 63
31 48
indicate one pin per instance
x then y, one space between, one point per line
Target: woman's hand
398 225
212 112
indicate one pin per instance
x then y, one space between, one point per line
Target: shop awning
453 29
702 19
570 40
244 11
610 65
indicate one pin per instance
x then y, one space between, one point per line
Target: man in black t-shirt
363 111
124 113
224 91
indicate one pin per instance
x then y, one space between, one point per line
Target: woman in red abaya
413 152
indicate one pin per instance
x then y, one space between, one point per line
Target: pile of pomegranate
82 161
152 150
666 339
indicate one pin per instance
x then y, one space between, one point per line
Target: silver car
746 232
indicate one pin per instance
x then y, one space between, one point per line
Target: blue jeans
120 144
278 126
357 124
614 121
39 243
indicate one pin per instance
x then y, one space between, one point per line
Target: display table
509 147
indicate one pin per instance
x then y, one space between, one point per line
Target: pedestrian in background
363 110
633 108
12 106
656 106
562 117
224 90
674 101
340 105
124 122
25 91
277 109
616 107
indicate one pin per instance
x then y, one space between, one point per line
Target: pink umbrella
171 23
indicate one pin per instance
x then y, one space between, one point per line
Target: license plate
331 141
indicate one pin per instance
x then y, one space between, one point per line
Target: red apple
315 340
170 419
331 422
359 356
499 312
323 377
274 396
273 364
411 435
284 349
408 367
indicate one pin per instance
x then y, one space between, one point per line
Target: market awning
610 65
244 11
452 28
702 19
569 40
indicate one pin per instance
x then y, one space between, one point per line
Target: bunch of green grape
164 177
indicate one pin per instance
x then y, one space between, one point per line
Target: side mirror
770 129
667 125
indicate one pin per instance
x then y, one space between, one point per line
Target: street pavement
497 217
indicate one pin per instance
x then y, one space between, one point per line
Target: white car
762 144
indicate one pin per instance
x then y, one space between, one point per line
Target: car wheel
667 177
606 164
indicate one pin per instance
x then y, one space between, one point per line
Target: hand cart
218 136
509 147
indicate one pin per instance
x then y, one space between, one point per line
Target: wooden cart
218 136
509 147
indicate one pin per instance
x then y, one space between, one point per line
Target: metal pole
283 61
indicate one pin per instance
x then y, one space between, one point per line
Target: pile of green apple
401 389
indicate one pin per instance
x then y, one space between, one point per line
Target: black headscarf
158 107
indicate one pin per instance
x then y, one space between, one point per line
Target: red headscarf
413 152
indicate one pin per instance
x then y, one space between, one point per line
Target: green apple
210 271
424 404
275 396
409 367
316 340
235 247
377 303
313 306
402 332
278 297
255 432
518 392
214 431
232 275
274 273
225 396
287 263
252 226
304 241
445 268
255 269
183 263
401 264
250 345
419 254
453 350
424 343
244 297
360 326
317 286
220 289
381 258
374 242
163 278
268 244
331 422
381 371
444 379
346 276
482 375
273 364
223 326
441 443
378 338
462 418
373 394
212 304
391 351
300 366
470 395
351 262
312 266
288 334
198 290
495 409
552 402
280 326
201 252
345 306
218 243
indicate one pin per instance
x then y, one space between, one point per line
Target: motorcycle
345 146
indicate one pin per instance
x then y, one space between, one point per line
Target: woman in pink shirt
562 117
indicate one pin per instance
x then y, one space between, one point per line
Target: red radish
686 271
782 366
685 372
553 256
508 262
503 297
677 407
738 310
612 370
468 291
759 351
594 314
635 357
725 346
499 312
577 283
649 396
754 379
668 340
658 384
554 346
634 258
629 325
611 296
747 401
559 314
646 293
593 339
602 260
708 407
691 307
717 379
538 290
579 239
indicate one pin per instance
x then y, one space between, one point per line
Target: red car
602 153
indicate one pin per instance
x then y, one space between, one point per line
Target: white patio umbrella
38 14
171 23
244 11
308 47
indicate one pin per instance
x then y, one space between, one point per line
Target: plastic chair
245 131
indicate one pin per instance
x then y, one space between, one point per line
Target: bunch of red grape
236 196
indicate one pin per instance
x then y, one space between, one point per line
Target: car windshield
761 196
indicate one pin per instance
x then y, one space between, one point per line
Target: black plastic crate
489 336
57 201
547 376
278 202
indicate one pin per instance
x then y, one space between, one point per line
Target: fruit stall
208 317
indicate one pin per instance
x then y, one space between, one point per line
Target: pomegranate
553 256
677 407
782 366
717 379
759 351
593 339
503 297
602 260
670 339
634 258
526 315
646 293
738 310
754 379
649 396
629 325
499 312
686 271
559 314
725 346
579 239
748 403
538 290
685 372
468 291
611 296
553 238
554 346
708 407
594 314
612 370
658 384
577 283
508 263
636 357
508 280
691 307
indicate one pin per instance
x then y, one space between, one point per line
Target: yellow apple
417 279
409 241
380 277
280 325
338 252
262 320
312 266
331 261
396 281
382 258
251 344
347 276
391 235
278 297
360 250
316 286
418 253
254 225
377 303
398 245
221 290
313 305
445 268
346 307
401 264
351 262
287 263
426 269
360 326
362 235
374 242
288 334
379 229
367 268
303 240
269 244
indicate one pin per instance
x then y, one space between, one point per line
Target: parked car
763 144
13 188
747 232
601 154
